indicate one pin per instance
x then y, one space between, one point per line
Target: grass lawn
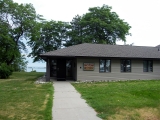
129 100
22 99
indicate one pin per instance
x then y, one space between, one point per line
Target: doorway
69 69
61 69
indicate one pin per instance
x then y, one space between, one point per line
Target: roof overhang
44 57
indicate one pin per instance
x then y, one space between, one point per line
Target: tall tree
103 26
51 36
99 25
19 21
16 23
7 45
75 34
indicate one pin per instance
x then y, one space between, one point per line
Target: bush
5 71
33 71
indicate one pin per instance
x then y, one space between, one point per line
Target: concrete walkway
68 104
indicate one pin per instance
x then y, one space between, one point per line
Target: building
103 62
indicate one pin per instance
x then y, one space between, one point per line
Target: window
147 66
53 69
125 65
69 64
105 65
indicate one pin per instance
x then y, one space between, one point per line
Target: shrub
33 71
5 71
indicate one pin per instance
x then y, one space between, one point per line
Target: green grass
22 99
129 100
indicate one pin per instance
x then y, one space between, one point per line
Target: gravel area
42 80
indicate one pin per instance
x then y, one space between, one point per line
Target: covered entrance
62 69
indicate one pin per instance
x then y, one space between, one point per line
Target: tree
75 34
7 45
5 70
20 20
19 64
99 25
16 23
50 36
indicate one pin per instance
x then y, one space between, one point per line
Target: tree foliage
50 36
99 25
16 23
19 64
5 71
19 21
75 34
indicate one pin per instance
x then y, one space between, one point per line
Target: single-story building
103 62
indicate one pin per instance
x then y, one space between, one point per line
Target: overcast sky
142 15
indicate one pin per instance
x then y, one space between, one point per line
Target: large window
53 69
125 65
105 65
69 64
147 66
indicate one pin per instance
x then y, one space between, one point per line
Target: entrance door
61 69
69 69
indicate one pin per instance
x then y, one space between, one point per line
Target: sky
142 15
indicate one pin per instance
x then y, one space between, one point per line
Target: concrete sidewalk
68 104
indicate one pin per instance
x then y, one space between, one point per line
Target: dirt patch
12 111
149 113
125 115
38 85
7 80
45 102
24 105
11 114
136 114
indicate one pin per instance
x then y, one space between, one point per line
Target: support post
48 70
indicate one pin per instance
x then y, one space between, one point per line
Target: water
37 69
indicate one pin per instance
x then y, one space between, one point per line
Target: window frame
125 66
104 66
147 65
